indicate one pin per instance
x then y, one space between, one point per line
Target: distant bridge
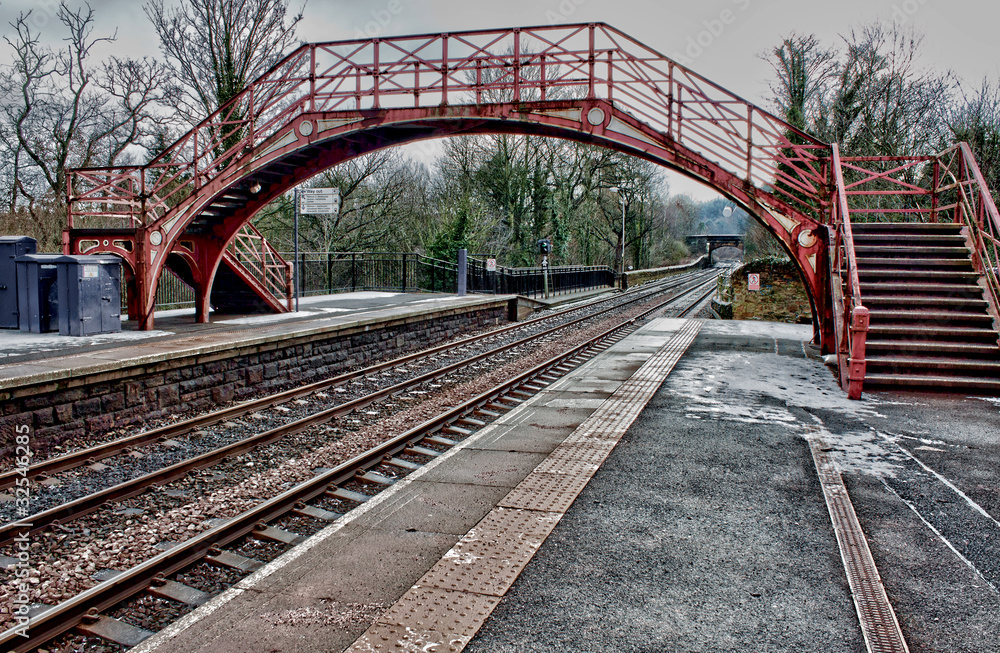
708 243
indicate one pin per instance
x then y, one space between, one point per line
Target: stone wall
136 394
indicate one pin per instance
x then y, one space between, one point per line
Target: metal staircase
252 276
916 285
930 325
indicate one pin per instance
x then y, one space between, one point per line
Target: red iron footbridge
907 295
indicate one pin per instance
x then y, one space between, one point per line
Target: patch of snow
16 343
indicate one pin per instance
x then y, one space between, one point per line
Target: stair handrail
976 208
851 318
251 250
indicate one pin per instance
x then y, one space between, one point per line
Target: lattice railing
964 192
260 260
496 66
850 315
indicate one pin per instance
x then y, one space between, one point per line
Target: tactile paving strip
545 492
878 620
490 556
448 605
435 620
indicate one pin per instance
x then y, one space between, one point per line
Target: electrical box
37 295
89 295
10 248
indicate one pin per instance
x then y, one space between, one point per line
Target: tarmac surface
706 530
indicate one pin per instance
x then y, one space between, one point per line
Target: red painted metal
744 151
975 207
850 315
328 102
261 267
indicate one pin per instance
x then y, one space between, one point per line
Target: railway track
349 483
90 455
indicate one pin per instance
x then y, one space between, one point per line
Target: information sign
319 201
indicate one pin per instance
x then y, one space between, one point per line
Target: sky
960 35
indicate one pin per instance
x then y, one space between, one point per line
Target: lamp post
621 197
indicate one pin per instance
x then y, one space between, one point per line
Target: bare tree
803 70
975 119
217 47
64 111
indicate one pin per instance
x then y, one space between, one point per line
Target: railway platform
65 386
704 530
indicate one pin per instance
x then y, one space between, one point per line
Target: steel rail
107 449
82 506
90 603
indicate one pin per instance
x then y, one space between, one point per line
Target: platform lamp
621 197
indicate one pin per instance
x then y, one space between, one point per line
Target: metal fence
324 273
530 282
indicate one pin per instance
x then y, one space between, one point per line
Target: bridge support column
145 284
207 257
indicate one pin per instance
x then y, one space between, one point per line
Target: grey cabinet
10 248
89 295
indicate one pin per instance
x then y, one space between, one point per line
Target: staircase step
932 382
883 316
956 334
927 349
929 275
913 251
977 305
905 227
909 240
910 263
903 288
983 368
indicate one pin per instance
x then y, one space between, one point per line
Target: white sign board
319 201
753 282
491 265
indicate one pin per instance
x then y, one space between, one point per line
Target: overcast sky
960 35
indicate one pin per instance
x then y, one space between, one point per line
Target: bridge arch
588 83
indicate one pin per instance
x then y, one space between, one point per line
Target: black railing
325 273
530 282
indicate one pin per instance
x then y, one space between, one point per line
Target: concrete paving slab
433 507
570 401
539 430
485 467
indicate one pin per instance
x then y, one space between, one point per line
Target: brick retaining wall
92 404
